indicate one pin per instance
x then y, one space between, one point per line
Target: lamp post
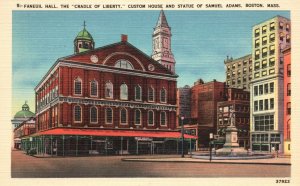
182 137
211 136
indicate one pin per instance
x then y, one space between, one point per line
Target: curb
215 162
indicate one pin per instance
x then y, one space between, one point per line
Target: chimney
124 38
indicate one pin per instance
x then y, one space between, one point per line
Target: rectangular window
264 63
256 75
281 36
255 105
289 110
264 29
257 66
271 103
272 49
266 86
261 105
288 38
244 69
272 26
257 32
275 137
255 90
264 123
261 89
264 40
257 53
266 104
289 89
272 38
280 25
256 43
289 70
264 52
271 61
271 87
287 28
272 71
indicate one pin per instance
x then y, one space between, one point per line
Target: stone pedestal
231 146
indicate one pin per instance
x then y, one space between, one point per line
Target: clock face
151 67
94 58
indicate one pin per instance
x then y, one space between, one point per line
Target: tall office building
266 88
239 72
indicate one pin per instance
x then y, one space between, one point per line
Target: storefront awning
113 133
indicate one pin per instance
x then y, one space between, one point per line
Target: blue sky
201 40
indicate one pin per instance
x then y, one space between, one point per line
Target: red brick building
107 100
24 129
239 100
287 101
204 99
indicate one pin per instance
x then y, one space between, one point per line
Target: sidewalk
188 159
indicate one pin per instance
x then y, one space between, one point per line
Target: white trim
123 53
112 115
91 115
120 115
75 116
140 117
117 71
152 118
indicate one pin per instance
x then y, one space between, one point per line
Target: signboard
143 139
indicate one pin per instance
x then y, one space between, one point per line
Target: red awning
113 133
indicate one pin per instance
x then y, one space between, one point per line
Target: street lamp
211 136
182 137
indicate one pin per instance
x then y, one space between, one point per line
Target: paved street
113 166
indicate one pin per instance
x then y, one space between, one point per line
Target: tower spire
162 20
161 41
84 24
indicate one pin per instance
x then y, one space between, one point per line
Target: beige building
239 72
266 88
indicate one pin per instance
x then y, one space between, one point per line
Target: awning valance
113 133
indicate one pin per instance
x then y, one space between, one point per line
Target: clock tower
161 43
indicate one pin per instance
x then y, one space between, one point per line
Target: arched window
124 64
77 114
109 90
123 116
138 93
137 117
77 86
151 94
94 88
163 97
108 115
163 118
93 115
123 92
150 117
